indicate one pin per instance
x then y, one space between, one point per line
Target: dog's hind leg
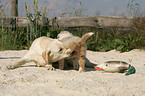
75 62
82 61
61 64
20 62
82 64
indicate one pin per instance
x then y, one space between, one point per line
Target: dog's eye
72 53
60 50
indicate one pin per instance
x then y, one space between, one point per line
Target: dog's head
63 34
56 53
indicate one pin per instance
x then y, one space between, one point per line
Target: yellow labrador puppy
43 52
78 47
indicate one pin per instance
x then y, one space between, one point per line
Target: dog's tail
85 37
82 40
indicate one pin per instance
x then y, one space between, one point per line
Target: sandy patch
34 81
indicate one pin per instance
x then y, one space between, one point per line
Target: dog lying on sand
43 52
77 45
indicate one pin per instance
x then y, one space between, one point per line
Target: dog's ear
45 55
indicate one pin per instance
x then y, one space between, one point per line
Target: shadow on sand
89 66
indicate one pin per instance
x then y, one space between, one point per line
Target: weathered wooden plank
22 22
7 21
96 21
13 21
74 21
120 21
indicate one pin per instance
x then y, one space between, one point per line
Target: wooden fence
96 21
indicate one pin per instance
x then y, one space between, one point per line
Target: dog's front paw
10 67
50 67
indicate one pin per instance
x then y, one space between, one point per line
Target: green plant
10 40
110 39
133 8
36 19
4 8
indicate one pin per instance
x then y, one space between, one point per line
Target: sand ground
38 81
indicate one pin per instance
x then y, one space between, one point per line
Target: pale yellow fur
43 52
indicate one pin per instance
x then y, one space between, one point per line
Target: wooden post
14 12
14 8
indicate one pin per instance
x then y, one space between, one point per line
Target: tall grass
12 40
112 38
36 19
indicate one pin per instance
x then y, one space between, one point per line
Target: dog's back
70 41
